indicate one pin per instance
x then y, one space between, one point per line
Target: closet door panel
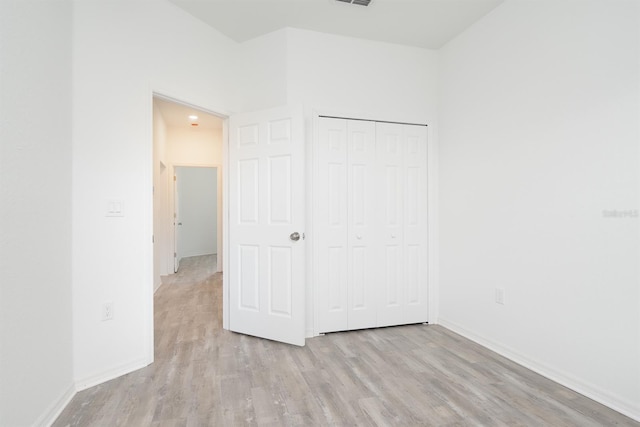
415 224
391 179
332 226
362 278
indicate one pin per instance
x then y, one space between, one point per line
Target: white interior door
266 225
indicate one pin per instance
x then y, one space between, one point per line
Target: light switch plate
115 208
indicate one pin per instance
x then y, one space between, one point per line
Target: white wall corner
110 374
56 408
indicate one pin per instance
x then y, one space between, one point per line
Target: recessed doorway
187 140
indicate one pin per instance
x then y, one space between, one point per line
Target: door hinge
174 178
175 255
153 239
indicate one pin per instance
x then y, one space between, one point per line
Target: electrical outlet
500 296
107 311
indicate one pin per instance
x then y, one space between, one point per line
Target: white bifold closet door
370 223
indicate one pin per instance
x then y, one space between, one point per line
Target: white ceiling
422 23
177 115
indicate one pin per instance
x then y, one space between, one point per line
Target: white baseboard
87 382
56 408
625 407
54 411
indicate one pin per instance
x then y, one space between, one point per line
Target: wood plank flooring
414 375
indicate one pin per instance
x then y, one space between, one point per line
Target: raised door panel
279 197
279 285
248 191
248 281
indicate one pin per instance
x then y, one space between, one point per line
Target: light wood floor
401 376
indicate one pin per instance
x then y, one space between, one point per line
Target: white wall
36 363
197 211
123 51
194 146
260 72
382 80
538 139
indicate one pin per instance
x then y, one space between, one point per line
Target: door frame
432 205
205 106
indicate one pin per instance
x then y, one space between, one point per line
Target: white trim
433 288
149 259
225 222
630 409
220 222
310 133
49 416
110 374
312 202
201 106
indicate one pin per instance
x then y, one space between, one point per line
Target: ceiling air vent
358 2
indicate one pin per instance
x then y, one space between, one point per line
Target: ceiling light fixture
358 2
192 117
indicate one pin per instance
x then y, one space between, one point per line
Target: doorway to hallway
196 212
186 141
